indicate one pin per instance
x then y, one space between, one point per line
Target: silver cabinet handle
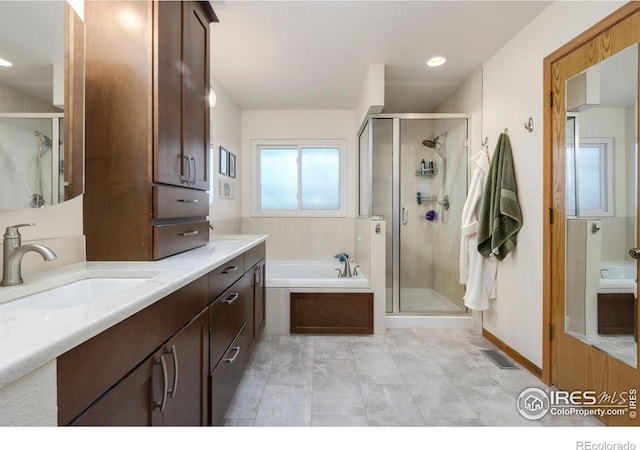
233 358
186 178
163 402
405 218
229 269
195 167
257 276
634 253
188 233
231 298
174 354
187 200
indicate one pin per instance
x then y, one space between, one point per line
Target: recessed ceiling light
436 61
5 63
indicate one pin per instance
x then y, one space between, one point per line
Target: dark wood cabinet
176 362
147 128
167 388
182 93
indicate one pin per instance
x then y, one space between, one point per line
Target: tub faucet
346 272
13 251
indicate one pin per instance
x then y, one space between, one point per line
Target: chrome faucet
346 272
13 252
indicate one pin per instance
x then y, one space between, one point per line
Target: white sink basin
74 294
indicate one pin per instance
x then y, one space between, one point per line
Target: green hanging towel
500 216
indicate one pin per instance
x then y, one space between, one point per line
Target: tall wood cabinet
147 128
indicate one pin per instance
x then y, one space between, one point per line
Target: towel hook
528 125
485 144
506 131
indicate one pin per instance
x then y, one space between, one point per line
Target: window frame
299 144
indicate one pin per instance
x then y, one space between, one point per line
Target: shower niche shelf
426 198
426 172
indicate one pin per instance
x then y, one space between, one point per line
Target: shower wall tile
576 237
593 254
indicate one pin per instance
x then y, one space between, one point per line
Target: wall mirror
41 103
601 132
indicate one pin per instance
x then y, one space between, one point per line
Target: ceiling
316 54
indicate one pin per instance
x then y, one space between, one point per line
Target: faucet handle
12 231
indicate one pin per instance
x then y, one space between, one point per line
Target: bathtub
311 274
619 275
286 277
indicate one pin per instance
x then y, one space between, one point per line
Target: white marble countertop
32 336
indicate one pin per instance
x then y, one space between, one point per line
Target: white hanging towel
476 271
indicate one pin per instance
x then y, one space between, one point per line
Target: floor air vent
499 360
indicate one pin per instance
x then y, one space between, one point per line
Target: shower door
422 206
432 191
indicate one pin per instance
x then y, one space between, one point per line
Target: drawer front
227 315
175 238
173 203
254 255
224 276
226 377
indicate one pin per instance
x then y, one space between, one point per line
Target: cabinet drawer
224 276
226 377
254 255
173 203
179 237
228 314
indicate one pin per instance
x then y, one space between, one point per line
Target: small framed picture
224 161
232 165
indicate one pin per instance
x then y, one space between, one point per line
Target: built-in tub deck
308 297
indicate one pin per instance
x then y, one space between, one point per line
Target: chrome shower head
430 143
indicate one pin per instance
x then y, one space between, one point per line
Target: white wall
513 92
226 121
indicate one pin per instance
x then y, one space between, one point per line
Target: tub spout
346 272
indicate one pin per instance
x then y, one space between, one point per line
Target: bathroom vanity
168 351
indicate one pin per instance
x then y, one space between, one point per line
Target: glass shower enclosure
413 173
31 160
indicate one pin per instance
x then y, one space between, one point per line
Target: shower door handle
405 215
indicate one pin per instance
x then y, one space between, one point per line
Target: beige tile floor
409 377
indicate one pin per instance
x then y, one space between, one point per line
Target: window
299 179
594 190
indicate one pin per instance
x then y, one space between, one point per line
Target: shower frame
56 137
396 193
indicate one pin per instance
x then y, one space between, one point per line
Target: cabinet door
195 87
186 357
131 401
182 91
171 162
